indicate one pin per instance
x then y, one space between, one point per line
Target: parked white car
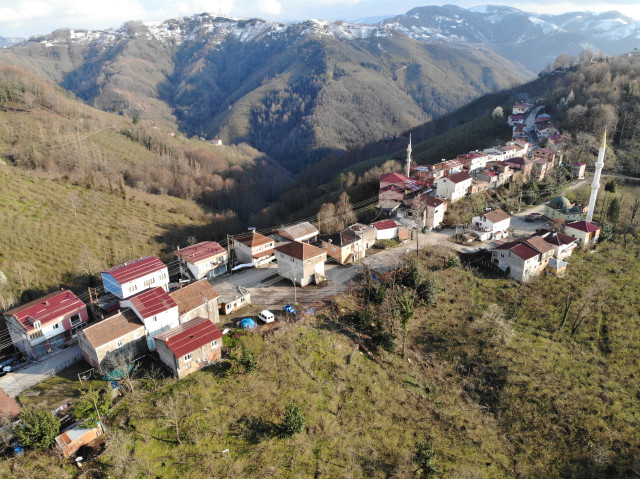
266 316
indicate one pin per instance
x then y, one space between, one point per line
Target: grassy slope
45 243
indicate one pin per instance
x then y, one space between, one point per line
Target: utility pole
520 202
230 249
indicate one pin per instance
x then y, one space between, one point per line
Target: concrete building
121 335
202 260
189 347
523 259
366 233
345 246
197 300
157 310
491 225
578 170
304 232
135 276
253 248
301 263
232 297
586 233
46 324
453 187
561 208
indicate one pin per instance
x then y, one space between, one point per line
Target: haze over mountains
534 40
302 91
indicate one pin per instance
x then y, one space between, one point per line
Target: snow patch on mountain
546 26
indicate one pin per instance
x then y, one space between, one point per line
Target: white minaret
408 172
596 177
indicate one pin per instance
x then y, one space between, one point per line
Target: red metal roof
152 301
393 178
200 252
135 269
49 308
489 173
522 250
583 226
385 224
190 336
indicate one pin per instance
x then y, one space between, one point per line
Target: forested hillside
298 92
595 95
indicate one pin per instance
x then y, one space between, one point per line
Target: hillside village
174 312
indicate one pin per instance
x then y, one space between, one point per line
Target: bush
293 421
248 360
38 428
453 261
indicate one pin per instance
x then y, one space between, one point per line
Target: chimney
252 229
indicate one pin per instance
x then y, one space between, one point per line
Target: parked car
266 316
289 309
533 217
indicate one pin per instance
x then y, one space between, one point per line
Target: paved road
16 382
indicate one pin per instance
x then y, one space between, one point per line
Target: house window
188 357
37 325
56 326
214 344
334 249
119 343
155 319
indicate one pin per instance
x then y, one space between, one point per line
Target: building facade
189 347
117 338
46 324
202 260
301 263
253 248
197 300
156 309
132 277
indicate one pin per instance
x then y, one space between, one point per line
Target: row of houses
143 312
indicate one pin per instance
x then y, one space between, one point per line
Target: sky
23 18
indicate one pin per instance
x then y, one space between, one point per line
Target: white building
135 276
156 309
491 225
207 259
453 187
253 248
523 259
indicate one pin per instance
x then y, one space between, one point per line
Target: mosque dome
560 202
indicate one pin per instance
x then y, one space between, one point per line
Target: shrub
293 421
248 360
453 261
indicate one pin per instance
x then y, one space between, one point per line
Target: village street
15 382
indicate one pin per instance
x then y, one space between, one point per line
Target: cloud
270 7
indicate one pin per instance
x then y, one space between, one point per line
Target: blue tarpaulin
247 323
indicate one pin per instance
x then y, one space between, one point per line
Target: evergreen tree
293 421
93 406
38 428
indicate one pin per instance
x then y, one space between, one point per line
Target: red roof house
190 346
47 323
205 259
134 276
156 309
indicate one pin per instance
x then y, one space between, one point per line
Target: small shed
76 436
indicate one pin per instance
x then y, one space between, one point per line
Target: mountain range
301 92
534 40
298 92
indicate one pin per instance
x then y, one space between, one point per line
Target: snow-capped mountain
532 39
297 91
